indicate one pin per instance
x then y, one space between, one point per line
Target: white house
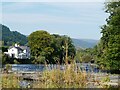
19 52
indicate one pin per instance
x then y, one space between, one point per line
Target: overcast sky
75 19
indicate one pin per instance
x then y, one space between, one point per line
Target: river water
42 67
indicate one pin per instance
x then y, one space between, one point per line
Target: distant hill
84 43
10 37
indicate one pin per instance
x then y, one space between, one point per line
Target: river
42 67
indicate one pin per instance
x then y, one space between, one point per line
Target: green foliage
105 79
108 50
84 55
10 37
7 60
40 44
16 62
39 60
50 48
60 48
4 48
8 67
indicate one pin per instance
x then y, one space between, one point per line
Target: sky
81 20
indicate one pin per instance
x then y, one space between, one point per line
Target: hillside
10 37
84 43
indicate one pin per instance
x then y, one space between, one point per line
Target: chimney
16 45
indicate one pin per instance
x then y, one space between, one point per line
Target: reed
69 78
10 81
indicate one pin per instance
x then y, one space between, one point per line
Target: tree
109 54
84 55
63 48
40 44
50 48
79 55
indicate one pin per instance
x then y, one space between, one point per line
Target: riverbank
57 78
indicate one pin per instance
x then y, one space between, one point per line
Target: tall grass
10 81
69 78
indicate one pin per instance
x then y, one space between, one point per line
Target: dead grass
10 81
68 78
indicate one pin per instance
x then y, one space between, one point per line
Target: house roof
23 47
19 47
11 47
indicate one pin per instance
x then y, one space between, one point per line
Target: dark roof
23 47
19 47
11 47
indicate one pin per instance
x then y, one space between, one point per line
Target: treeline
85 55
47 48
11 37
107 52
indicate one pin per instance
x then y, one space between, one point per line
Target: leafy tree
109 47
39 60
50 48
5 59
16 62
40 44
84 55
79 55
59 45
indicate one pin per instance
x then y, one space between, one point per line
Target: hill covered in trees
11 37
84 43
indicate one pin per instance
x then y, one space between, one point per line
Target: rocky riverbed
94 80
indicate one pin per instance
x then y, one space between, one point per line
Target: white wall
17 54
13 51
